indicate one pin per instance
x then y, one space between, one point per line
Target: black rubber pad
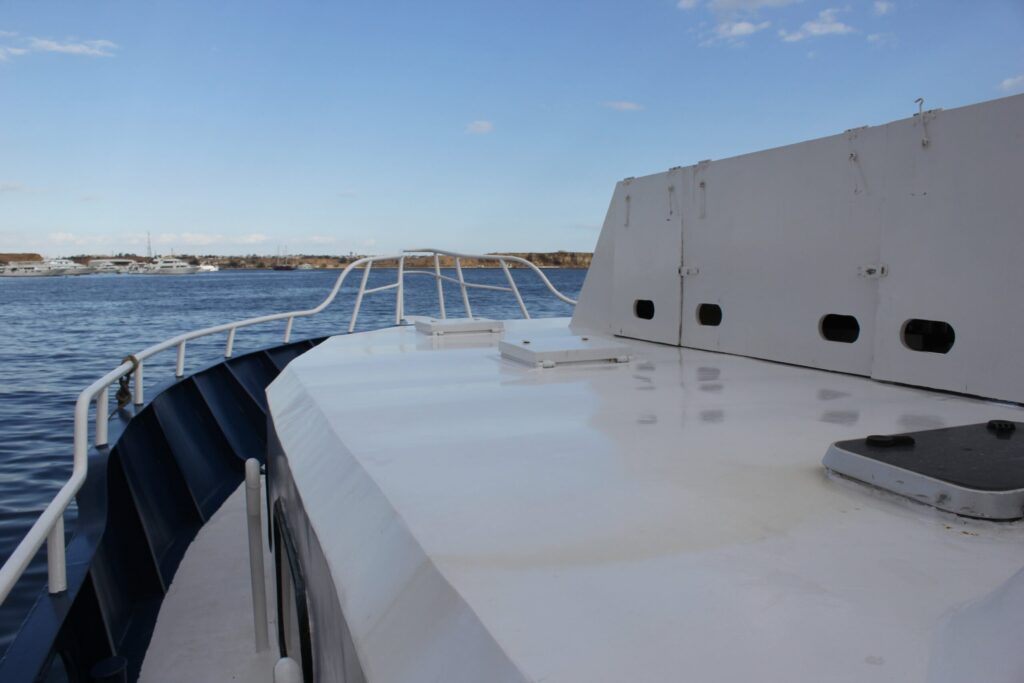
984 457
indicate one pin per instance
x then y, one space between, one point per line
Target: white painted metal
179 367
462 285
550 351
437 327
48 527
999 505
57 573
229 349
646 222
440 286
257 577
287 670
871 223
102 418
954 234
777 237
603 522
139 384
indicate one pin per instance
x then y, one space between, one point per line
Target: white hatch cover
547 352
437 327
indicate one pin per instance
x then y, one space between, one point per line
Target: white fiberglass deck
657 520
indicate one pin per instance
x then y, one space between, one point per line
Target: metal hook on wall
924 125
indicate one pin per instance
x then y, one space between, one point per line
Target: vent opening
839 328
709 314
929 336
643 308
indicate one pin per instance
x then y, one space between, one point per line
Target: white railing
49 526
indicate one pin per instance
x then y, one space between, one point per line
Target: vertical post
462 284
359 296
140 396
515 290
400 293
102 405
288 330
259 586
440 285
179 369
231 343
56 566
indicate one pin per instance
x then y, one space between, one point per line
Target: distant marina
164 265
34 265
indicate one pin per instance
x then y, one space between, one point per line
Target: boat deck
648 521
205 628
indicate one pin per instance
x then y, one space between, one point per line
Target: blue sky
329 127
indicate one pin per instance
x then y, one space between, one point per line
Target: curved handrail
49 526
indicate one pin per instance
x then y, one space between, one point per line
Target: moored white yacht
65 266
26 269
778 440
168 265
113 265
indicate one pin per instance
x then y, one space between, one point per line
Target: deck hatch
437 328
547 352
973 470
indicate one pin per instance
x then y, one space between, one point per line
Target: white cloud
1012 84
729 30
882 7
89 48
8 52
687 4
63 238
623 105
881 39
11 188
732 6
479 127
826 24
204 239
320 239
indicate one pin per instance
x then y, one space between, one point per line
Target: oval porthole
709 314
643 309
928 336
839 328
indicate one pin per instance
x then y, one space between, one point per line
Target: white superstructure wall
907 236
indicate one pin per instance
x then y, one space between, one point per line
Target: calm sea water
60 334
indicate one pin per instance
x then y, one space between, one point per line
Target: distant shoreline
551 259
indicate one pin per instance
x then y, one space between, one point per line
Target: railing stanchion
288 330
515 290
56 567
255 526
462 284
359 296
400 293
229 349
102 405
140 394
440 285
179 368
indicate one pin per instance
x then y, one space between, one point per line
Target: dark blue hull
170 466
